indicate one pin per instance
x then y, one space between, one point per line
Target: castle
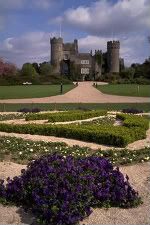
66 59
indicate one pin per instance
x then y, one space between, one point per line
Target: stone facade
63 55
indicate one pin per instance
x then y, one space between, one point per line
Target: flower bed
65 116
13 116
62 190
23 151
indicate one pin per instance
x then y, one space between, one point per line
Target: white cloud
132 49
103 17
30 47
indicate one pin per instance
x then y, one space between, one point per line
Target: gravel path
83 93
139 177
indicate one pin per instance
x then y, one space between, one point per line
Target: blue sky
27 25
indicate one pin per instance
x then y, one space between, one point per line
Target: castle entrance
65 67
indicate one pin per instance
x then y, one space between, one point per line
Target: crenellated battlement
113 45
55 40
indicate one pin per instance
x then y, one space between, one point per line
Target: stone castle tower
113 60
56 52
64 54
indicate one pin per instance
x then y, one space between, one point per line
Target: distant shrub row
65 116
104 134
132 111
27 110
134 121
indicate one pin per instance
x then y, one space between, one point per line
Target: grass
32 91
126 89
75 106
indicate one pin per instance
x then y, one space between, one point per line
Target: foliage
132 111
8 107
7 68
28 70
134 121
61 190
45 68
102 134
23 151
11 116
27 110
65 116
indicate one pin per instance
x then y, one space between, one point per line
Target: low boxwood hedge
65 116
103 134
134 121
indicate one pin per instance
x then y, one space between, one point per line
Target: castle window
85 71
86 62
66 57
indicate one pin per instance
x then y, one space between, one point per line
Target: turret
76 45
113 56
56 52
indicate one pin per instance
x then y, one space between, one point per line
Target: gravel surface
84 93
139 177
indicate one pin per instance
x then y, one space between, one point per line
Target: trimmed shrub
132 111
65 116
109 135
27 110
61 190
134 121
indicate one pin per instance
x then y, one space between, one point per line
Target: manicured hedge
134 121
109 135
65 116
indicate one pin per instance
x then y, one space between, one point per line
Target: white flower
101 154
115 154
8 141
130 159
46 150
20 153
31 150
142 160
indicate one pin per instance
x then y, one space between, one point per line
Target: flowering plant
61 190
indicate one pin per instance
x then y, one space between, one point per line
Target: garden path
83 93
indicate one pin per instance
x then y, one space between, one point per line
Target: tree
36 67
45 68
7 68
28 70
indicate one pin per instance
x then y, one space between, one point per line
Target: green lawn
126 89
32 91
73 106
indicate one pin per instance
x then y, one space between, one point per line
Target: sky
26 27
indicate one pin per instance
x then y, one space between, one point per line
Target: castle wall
68 53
